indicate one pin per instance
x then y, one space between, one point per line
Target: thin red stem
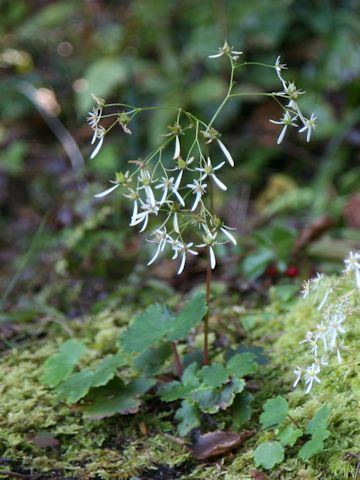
177 360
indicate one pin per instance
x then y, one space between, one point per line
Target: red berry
271 271
292 271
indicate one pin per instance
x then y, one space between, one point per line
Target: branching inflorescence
181 195
334 305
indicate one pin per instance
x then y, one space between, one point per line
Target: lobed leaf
189 417
289 435
268 454
60 365
147 329
214 375
315 445
188 318
116 397
75 387
241 364
319 420
275 411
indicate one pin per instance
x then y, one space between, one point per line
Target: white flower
305 292
147 209
161 237
311 340
321 332
198 189
352 261
145 179
315 284
226 49
286 120
297 373
210 241
352 264
309 125
168 184
226 152
335 328
278 67
311 376
133 196
99 134
209 172
182 248
93 118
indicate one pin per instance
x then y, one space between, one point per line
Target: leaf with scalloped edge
189 416
289 435
116 397
268 454
60 365
188 318
147 329
75 387
275 411
315 445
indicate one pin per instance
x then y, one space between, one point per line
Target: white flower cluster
292 110
178 203
333 310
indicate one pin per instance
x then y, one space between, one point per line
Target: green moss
115 448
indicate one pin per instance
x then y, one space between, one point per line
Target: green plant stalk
208 282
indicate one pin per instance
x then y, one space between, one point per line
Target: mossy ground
122 447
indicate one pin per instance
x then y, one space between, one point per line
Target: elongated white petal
146 219
176 223
218 182
178 180
282 134
217 55
135 211
178 196
196 201
219 166
177 148
226 152
106 192
164 195
158 250
182 264
150 195
97 148
228 234
357 277
212 257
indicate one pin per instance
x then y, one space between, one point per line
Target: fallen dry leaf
258 475
217 443
44 439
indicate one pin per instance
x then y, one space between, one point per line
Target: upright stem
223 103
208 281
177 360
206 318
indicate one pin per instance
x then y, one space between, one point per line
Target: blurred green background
53 54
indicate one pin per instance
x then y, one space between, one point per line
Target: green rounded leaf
147 329
60 365
268 454
189 417
275 411
214 375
